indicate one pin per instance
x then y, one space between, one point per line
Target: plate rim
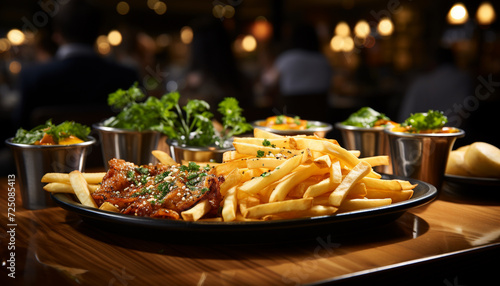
428 194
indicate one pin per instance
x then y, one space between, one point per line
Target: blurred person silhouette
212 73
444 87
75 84
303 76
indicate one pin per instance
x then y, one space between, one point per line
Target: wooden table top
460 229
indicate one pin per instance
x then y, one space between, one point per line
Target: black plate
252 231
472 180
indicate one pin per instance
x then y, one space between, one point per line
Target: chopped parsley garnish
267 143
260 153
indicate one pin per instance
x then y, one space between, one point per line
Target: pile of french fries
272 177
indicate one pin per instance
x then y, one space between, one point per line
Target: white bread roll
456 165
482 160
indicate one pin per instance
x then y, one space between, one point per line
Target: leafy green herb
265 174
280 119
296 120
429 120
260 153
58 132
233 121
364 117
188 125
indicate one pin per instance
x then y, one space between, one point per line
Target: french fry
164 158
79 185
90 178
281 142
260 151
230 205
376 160
357 204
329 148
107 206
279 207
65 188
226 168
230 181
270 163
357 173
315 210
196 212
284 187
382 184
260 133
229 156
246 203
395 196
253 186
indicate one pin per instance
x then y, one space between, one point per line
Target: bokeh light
4 45
186 34
485 14
122 8
458 14
362 29
114 38
385 27
160 8
15 67
16 37
249 43
342 29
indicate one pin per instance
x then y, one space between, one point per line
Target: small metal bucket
421 156
34 161
182 154
368 141
131 146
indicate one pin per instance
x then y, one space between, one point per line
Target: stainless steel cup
131 146
369 141
421 156
34 161
196 154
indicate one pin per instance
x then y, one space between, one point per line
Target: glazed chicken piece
158 190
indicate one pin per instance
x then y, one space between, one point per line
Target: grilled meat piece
158 190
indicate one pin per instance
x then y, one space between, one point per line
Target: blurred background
396 56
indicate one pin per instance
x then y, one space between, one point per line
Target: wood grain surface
56 246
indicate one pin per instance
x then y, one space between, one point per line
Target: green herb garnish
429 120
189 125
260 153
365 117
58 132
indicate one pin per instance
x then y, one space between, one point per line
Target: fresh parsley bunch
233 121
58 132
429 120
189 125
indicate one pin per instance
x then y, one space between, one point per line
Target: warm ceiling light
152 3
336 43
485 14
348 44
16 37
122 8
163 40
114 38
218 11
342 29
249 43
103 48
186 34
362 29
385 27
458 14
261 29
15 67
4 45
160 8
228 11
